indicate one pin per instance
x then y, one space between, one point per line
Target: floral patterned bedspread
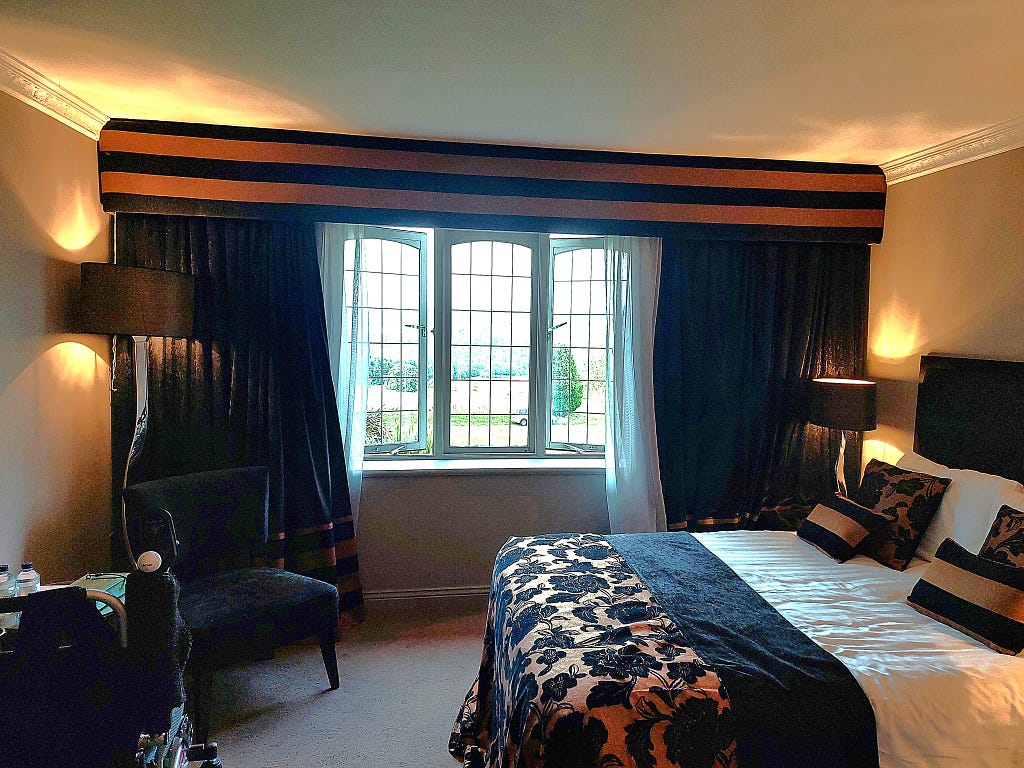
581 667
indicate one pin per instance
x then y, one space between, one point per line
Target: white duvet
941 699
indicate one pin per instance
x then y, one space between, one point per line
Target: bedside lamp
843 404
132 301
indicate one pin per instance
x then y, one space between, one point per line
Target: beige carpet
404 673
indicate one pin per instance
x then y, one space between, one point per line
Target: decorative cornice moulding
37 90
1001 137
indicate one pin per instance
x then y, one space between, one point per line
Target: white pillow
968 507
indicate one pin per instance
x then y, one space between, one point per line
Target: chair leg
327 639
201 707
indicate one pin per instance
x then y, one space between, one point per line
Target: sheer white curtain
340 257
632 475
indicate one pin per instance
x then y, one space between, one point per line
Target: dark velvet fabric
160 642
793 703
253 388
243 614
220 517
739 327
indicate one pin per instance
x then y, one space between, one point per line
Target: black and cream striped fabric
975 595
187 169
838 526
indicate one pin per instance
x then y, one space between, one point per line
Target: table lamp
843 404
137 302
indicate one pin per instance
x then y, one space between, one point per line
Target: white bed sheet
941 699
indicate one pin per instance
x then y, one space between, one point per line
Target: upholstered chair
235 610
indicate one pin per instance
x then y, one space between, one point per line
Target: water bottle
28 580
8 588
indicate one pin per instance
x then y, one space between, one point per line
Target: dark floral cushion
1005 542
908 500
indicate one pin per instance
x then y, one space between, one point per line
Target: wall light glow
77 365
124 78
881 450
897 333
845 141
75 219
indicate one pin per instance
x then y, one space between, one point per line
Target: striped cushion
838 526
975 595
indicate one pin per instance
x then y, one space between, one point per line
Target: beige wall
443 531
947 278
54 407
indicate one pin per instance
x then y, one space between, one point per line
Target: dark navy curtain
253 388
740 326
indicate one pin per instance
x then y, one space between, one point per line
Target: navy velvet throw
794 704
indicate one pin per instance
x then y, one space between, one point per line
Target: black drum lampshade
134 301
846 404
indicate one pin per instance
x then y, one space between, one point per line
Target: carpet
404 673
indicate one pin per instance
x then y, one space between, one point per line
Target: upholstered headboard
970 414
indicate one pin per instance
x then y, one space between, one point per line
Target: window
579 346
392 267
482 343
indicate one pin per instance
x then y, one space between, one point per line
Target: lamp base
141 354
841 464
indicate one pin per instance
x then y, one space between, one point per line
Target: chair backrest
220 517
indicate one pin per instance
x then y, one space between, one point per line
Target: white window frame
539 443
417 240
444 241
563 245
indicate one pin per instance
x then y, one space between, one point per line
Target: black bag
68 688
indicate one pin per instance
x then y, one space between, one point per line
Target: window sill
492 466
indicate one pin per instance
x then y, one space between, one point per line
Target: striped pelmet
205 170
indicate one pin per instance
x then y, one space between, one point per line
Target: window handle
422 328
554 328
579 449
397 449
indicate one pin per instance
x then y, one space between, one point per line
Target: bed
749 648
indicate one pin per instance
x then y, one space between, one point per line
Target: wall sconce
132 301
844 404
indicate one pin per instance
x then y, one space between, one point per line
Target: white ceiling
842 80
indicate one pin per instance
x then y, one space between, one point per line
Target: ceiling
863 81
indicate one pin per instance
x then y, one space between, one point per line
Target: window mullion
424 365
442 342
549 321
541 341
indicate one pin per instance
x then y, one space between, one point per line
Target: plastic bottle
28 580
8 588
